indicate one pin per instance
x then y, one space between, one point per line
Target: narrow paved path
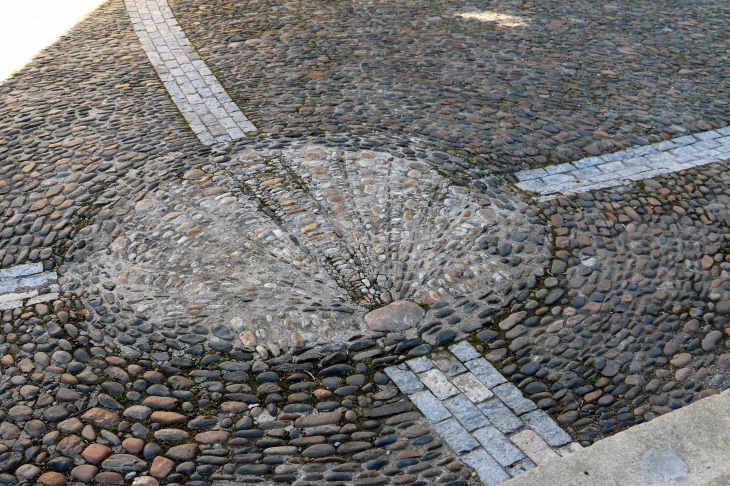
206 106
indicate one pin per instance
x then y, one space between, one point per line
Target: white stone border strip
25 277
210 112
486 420
627 166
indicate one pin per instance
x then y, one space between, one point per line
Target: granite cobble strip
634 164
208 109
494 428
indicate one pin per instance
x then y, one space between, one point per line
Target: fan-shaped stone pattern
298 245
412 232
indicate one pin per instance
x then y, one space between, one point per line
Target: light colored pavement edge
688 447
210 112
19 286
485 419
627 166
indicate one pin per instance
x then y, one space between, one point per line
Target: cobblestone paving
206 106
174 313
576 80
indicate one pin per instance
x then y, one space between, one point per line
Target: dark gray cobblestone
76 124
631 320
576 80
79 406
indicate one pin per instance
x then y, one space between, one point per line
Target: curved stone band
207 108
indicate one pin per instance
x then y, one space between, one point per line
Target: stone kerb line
207 108
626 166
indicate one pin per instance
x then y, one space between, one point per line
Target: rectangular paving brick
438 383
513 398
456 436
474 389
405 380
21 270
485 372
38 279
429 406
464 351
447 363
543 424
8 286
534 447
498 446
489 472
17 296
419 365
466 412
501 416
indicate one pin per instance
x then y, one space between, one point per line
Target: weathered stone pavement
468 241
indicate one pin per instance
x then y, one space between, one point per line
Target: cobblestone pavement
374 290
576 79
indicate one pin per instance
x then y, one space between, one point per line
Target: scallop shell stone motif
300 244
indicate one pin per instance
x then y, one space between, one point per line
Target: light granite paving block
38 279
512 397
438 383
419 365
559 169
665 145
472 387
557 179
447 363
21 270
11 304
485 372
712 134
19 296
534 447
686 140
405 380
43 298
707 144
466 412
724 131
587 172
501 416
8 286
429 406
456 436
528 175
498 446
489 472
612 157
543 424
587 162
464 351
610 167
536 185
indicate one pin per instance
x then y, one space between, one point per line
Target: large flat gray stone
400 315
686 447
